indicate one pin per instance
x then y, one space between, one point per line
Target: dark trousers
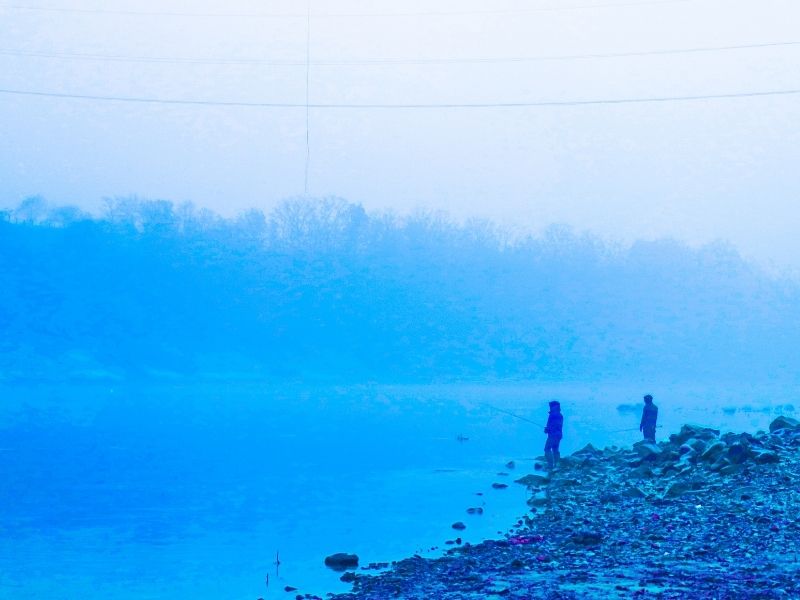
551 450
649 432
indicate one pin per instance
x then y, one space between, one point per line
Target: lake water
179 491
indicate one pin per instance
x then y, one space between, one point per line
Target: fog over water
186 395
324 291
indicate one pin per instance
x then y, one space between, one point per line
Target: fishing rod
508 412
632 429
516 416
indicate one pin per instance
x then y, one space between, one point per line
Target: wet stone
783 422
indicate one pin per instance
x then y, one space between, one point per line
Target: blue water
177 491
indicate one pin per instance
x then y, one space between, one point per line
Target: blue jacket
649 416
555 424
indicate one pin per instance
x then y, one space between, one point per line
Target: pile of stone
702 515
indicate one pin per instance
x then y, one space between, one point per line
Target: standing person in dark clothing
649 418
555 424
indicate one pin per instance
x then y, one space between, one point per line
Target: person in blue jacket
649 417
554 431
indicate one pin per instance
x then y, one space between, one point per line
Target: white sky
698 171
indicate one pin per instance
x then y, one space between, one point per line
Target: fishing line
508 412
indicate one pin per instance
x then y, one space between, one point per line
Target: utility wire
431 13
546 103
308 81
387 61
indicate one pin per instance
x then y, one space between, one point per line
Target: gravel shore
702 515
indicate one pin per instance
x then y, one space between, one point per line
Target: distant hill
321 290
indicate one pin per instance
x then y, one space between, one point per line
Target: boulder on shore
784 423
688 432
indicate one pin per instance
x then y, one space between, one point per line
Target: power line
308 87
547 103
429 13
390 62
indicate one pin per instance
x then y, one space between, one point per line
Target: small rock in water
510 464
341 561
289 588
458 525
499 486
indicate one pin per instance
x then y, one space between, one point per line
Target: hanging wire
256 15
409 106
308 82
384 61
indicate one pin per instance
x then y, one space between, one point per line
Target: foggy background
320 291
697 171
243 313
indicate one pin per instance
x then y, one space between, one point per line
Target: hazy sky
695 170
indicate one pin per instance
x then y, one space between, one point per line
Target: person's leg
556 453
650 434
548 452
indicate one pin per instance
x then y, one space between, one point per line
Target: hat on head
555 403
648 398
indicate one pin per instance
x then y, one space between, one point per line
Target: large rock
688 432
647 450
641 472
713 452
341 561
763 457
696 444
784 423
738 453
588 450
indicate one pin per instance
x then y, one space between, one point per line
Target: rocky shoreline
701 515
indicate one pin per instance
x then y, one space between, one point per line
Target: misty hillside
322 290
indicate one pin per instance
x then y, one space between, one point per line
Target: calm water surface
178 491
